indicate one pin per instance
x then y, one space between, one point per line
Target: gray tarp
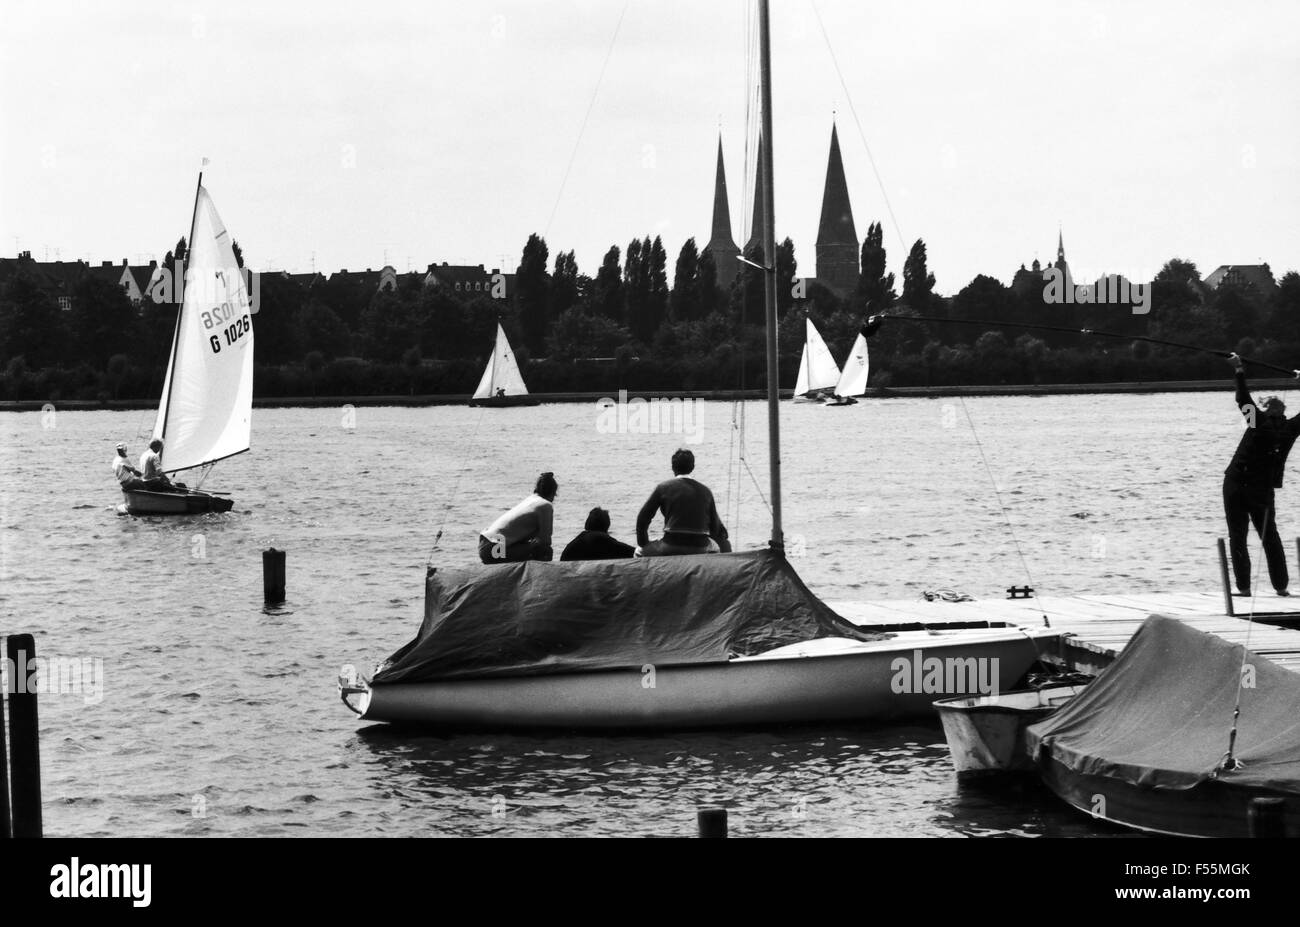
1159 716
533 618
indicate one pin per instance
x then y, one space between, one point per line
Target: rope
1229 761
455 490
998 495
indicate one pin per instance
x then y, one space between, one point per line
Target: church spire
756 227
721 245
837 238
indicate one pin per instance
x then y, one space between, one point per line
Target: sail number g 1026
231 333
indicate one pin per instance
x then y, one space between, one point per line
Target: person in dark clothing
691 522
1248 483
595 543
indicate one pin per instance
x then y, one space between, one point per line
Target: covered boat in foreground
712 640
1152 743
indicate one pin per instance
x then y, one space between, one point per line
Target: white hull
986 734
826 680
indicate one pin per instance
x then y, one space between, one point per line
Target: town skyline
1141 133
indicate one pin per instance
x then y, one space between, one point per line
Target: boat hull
822 681
188 502
986 734
502 402
1210 809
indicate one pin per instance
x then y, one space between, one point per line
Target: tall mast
770 281
180 310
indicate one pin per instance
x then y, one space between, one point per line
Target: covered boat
206 410
502 384
1152 743
669 642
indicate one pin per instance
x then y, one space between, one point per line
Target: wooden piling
1223 576
273 576
712 821
4 765
24 742
1266 817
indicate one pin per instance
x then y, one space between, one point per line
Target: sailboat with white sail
703 640
206 411
818 372
502 384
853 381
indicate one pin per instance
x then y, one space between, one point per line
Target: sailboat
818 372
853 381
502 384
667 643
206 410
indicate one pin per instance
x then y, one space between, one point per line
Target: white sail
207 403
501 376
817 367
853 382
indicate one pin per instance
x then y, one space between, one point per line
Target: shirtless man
524 532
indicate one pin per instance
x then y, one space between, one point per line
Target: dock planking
1099 626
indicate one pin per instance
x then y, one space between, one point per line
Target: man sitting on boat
524 532
126 474
151 471
1248 483
595 542
691 522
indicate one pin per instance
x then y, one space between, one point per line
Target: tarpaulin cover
533 618
1160 715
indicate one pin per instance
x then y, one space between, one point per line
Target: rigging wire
455 490
583 127
1230 761
858 122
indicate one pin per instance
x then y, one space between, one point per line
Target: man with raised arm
1248 483
524 532
691 522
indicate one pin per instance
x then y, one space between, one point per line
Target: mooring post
273 576
4 764
712 821
1223 576
1266 817
24 741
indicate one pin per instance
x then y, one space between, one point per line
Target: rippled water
219 717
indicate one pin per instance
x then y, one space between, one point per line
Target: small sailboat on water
853 381
703 640
502 384
206 410
818 372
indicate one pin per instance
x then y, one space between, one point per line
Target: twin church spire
837 238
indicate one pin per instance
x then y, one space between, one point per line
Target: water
220 717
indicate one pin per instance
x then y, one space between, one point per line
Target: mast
769 278
176 337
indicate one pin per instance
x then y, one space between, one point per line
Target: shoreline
894 392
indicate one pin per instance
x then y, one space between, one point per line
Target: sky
344 135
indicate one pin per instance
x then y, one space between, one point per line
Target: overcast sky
419 132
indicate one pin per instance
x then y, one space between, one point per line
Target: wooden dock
1100 625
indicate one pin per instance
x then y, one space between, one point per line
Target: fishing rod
874 322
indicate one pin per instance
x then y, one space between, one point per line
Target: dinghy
818 372
1152 743
502 384
853 381
206 410
986 733
671 643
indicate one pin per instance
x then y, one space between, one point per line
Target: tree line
640 322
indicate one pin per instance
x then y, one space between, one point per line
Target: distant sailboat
853 381
818 372
206 410
502 383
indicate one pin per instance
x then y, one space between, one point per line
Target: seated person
151 471
691 522
595 542
524 532
127 475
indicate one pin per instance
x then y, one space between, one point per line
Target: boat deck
1100 625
